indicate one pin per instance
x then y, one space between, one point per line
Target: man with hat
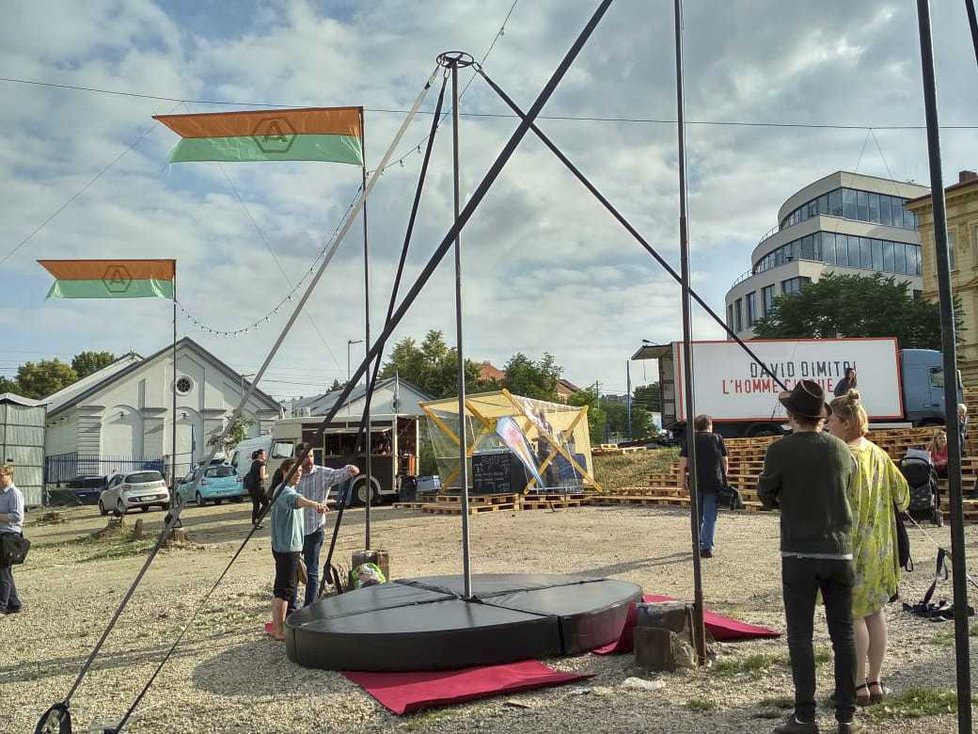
806 475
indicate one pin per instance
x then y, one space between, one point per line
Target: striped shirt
314 485
12 504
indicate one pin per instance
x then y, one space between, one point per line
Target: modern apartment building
844 223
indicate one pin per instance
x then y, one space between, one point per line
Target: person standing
807 476
11 521
712 466
963 426
254 482
878 488
314 485
287 520
847 383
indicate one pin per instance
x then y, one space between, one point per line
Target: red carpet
722 628
404 693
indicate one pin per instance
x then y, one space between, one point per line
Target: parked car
87 490
142 489
218 482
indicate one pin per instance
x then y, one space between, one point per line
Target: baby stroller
925 502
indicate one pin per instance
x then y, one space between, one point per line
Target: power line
508 116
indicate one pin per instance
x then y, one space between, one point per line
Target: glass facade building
846 223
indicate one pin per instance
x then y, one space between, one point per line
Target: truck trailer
897 386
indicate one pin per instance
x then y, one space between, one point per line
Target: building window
184 385
738 316
730 319
794 285
751 299
865 206
767 298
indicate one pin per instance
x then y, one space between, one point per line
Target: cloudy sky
545 268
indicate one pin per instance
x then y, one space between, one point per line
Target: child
287 544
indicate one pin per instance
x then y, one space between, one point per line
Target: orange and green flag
329 134
111 278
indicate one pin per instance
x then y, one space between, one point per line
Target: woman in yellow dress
876 488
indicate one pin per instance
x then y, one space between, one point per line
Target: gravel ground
228 676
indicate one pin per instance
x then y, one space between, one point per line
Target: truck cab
923 386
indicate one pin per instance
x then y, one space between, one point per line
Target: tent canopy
555 442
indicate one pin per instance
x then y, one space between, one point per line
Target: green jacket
806 475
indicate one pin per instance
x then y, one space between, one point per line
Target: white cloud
546 268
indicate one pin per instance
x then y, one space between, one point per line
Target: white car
142 489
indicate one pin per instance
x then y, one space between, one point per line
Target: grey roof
168 349
321 404
9 397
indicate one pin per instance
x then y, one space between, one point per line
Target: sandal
876 696
867 698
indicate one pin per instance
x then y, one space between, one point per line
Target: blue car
217 483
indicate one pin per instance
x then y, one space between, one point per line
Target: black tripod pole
959 567
699 633
973 24
453 61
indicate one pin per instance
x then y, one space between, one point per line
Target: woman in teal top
287 544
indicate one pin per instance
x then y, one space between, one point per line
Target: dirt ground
228 676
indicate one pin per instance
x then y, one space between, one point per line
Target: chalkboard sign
492 473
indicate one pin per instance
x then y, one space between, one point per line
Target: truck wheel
360 492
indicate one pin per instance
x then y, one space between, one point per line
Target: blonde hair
933 439
7 470
850 411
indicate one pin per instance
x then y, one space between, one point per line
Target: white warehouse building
846 223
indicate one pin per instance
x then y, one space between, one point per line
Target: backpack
903 541
13 548
366 574
938 611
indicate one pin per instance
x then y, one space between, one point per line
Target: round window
184 384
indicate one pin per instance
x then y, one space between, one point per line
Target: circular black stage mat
425 624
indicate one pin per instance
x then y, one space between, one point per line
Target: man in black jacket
806 475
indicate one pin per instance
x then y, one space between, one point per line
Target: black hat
807 400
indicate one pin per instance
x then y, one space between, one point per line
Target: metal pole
973 24
628 396
699 633
958 563
173 418
463 453
368 443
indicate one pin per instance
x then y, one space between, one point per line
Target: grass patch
701 705
774 708
111 543
945 635
754 665
632 470
914 703
822 655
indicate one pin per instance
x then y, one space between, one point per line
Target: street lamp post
350 343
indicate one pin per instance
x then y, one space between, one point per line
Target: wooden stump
664 637
379 557
177 535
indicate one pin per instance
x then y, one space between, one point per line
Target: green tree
236 433
533 379
596 418
39 379
431 366
855 306
85 363
647 396
8 385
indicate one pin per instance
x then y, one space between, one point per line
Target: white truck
897 386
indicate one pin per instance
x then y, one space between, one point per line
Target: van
274 450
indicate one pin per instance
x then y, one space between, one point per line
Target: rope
390 306
625 223
174 515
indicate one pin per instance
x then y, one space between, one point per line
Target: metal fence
59 468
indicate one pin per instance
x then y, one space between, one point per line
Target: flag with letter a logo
326 134
111 278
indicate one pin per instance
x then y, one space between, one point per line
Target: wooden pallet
453 509
529 503
477 499
408 505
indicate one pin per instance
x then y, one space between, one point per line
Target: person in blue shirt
287 544
11 521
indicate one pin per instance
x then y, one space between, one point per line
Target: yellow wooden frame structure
506 404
